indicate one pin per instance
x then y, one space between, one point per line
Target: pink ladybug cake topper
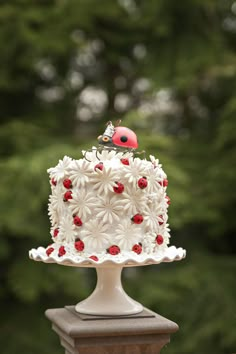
120 137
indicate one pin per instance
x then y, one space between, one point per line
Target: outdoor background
168 69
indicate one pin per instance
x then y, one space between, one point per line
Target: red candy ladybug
118 136
99 166
159 221
55 232
113 250
54 182
79 245
77 221
94 258
67 183
142 182
119 188
49 251
137 219
164 183
61 251
137 248
124 161
67 196
168 200
159 239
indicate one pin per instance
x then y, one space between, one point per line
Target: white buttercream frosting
99 207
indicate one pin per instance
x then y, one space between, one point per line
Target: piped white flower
108 154
56 205
134 200
67 231
61 170
82 203
95 236
148 242
134 170
154 177
80 170
152 218
104 180
109 209
127 234
154 161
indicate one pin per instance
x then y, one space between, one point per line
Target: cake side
106 205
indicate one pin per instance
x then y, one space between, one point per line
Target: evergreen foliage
168 69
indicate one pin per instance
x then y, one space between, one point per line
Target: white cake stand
109 297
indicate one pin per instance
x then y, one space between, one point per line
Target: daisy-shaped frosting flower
61 170
166 234
56 205
153 217
81 203
105 154
95 236
67 231
127 234
134 170
109 210
154 161
80 170
53 214
148 242
154 177
104 181
134 200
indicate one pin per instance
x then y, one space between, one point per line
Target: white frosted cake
108 205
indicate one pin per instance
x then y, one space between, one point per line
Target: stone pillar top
76 325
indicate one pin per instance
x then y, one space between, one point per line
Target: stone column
144 333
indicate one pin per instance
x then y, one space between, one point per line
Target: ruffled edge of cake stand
125 260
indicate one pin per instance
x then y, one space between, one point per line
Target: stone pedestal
144 333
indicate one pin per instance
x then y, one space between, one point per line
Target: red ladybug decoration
118 136
159 221
94 258
61 251
137 248
137 219
67 183
99 166
119 188
125 161
77 221
142 182
164 183
49 251
113 250
54 182
67 196
159 239
79 245
55 232
168 200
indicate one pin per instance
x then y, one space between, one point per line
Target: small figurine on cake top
110 205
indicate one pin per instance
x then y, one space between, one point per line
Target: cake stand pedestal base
109 297
143 333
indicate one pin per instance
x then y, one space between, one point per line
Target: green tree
167 69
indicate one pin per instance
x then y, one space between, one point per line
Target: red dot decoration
79 245
159 239
61 251
113 250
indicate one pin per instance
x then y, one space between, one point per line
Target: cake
109 205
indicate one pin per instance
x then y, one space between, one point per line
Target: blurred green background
168 69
